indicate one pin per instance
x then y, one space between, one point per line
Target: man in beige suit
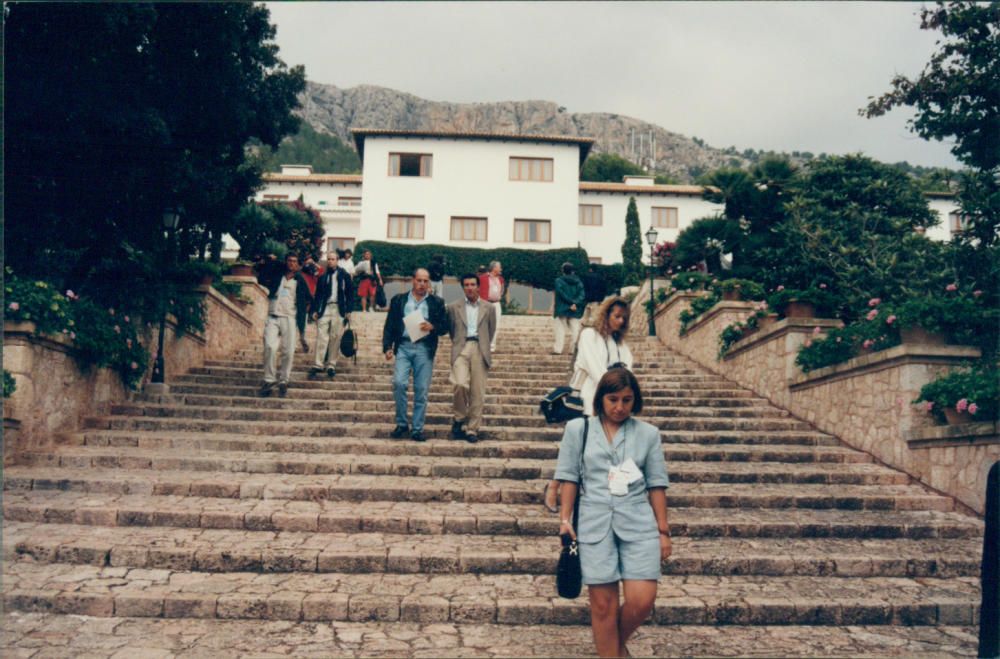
472 323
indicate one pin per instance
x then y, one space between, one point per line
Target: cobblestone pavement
42 635
213 522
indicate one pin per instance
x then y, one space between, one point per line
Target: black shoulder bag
569 578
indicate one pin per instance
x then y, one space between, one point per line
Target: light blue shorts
613 559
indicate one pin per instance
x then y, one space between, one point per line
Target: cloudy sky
784 75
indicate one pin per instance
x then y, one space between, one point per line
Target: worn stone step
484 598
47 634
352 487
541 450
442 466
435 518
225 550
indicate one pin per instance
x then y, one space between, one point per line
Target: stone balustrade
53 393
866 402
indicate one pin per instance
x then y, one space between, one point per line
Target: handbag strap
579 485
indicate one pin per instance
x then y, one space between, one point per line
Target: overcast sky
785 76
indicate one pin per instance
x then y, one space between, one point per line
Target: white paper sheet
412 324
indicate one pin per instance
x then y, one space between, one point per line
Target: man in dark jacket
415 357
594 290
568 308
331 307
288 302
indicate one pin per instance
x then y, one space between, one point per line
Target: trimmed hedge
537 268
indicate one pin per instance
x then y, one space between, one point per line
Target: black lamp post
651 241
171 218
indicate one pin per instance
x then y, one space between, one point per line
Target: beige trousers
468 374
328 331
562 325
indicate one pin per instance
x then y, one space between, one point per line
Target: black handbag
569 577
380 300
349 343
562 404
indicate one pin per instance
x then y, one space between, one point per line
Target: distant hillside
330 112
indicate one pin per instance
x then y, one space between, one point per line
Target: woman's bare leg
604 618
639 598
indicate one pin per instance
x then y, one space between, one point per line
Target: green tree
608 167
116 111
955 98
705 240
632 247
326 153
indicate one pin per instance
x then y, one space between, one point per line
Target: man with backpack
331 308
568 308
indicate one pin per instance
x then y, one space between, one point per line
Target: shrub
748 290
975 390
690 281
698 306
9 384
827 304
536 268
877 331
963 317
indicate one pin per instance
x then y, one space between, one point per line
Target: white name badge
631 470
617 481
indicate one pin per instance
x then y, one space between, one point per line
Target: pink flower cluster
964 405
872 314
874 302
867 344
951 287
890 320
13 306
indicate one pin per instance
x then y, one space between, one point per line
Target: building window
468 228
275 197
664 217
410 164
339 243
532 231
957 222
406 226
530 169
348 201
591 215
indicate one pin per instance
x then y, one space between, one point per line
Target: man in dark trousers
595 290
472 322
288 303
331 307
568 308
415 357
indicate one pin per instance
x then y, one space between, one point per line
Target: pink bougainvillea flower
14 306
976 293
70 294
780 288
872 314
890 320
928 406
126 319
816 330
973 408
868 343
951 287
134 366
874 302
822 285
962 405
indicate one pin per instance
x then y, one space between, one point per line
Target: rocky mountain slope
333 110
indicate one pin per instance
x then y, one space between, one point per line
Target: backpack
561 405
349 343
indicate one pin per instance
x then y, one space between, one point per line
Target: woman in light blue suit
623 532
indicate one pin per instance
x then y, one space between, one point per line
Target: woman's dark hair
617 379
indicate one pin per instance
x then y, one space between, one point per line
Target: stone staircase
298 522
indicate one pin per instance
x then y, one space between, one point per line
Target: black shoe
330 372
418 436
265 389
471 437
315 370
399 431
456 431
283 389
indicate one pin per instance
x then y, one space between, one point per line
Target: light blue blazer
629 516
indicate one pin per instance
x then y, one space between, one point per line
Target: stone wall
53 394
956 457
866 402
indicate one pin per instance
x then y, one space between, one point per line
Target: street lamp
171 218
651 241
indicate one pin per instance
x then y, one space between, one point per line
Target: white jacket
594 355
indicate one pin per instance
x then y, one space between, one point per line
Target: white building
493 190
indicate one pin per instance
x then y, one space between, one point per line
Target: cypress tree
632 247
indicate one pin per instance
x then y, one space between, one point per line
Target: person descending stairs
298 526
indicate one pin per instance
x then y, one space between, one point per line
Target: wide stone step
442 466
484 598
351 487
436 518
218 550
50 635
540 450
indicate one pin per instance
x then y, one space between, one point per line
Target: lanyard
610 447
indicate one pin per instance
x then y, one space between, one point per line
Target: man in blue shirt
416 357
